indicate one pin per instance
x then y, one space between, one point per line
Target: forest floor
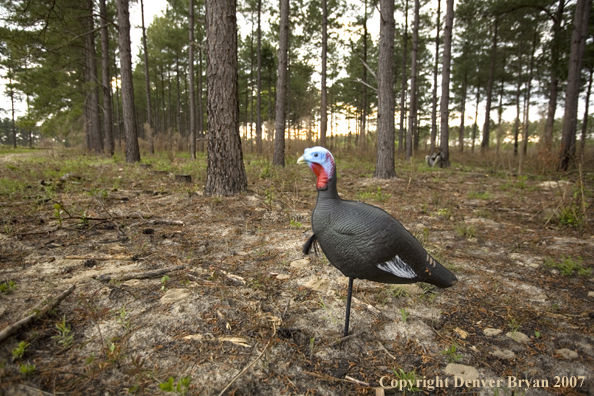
237 296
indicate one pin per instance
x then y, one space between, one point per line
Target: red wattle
321 174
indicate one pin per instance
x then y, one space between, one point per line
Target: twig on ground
23 322
385 350
341 340
369 307
356 381
115 258
251 364
141 275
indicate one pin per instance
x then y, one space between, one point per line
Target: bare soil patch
523 307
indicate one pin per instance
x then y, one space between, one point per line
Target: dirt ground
248 313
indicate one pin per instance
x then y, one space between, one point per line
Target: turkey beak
302 160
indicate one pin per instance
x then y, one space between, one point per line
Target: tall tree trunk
578 45
500 114
553 91
11 93
363 131
463 103
435 69
475 126
259 84
200 109
191 75
384 167
324 93
404 81
518 91
129 113
225 174
445 84
281 86
106 81
526 126
147 81
117 103
178 115
487 125
94 121
412 118
585 121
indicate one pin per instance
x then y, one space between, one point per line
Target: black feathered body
362 241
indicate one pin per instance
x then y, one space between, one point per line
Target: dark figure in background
435 159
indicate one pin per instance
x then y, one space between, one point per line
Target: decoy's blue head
321 163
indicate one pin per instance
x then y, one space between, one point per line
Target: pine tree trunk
117 103
445 84
475 126
500 113
404 81
363 127
191 75
578 45
585 121
384 167
259 84
435 69
11 93
128 110
92 102
526 127
281 86
200 109
147 81
554 87
106 81
487 125
412 119
225 172
518 91
324 93
178 115
463 105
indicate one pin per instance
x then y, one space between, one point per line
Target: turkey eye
316 154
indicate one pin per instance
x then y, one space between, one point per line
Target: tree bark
585 121
324 93
106 81
518 91
554 87
404 81
526 127
128 110
281 86
487 125
578 44
463 103
147 81
445 84
259 84
94 121
412 118
191 76
384 167
225 171
435 69
200 109
363 131
475 126
500 114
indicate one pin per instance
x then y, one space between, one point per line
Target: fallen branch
253 362
356 381
23 322
141 275
100 258
369 307
341 340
